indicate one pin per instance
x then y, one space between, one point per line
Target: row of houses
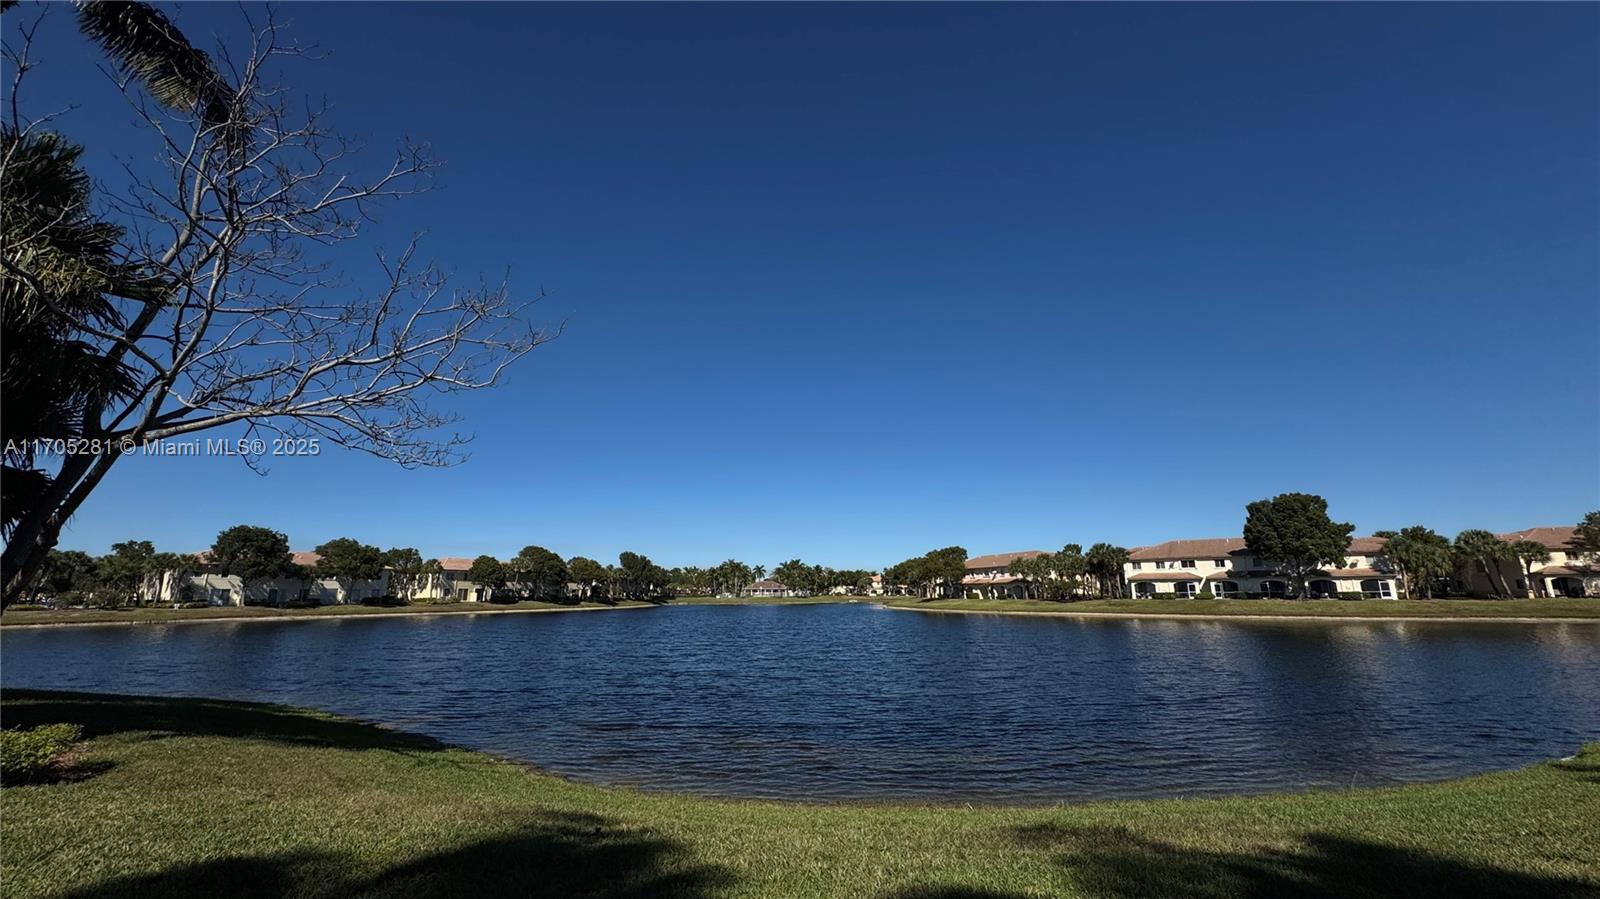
1225 567
1221 566
231 590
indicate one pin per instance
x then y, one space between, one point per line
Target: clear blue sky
852 282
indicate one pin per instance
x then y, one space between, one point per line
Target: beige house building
451 584
766 588
989 577
1568 572
1224 567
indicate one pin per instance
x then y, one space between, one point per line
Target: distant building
211 586
989 577
766 588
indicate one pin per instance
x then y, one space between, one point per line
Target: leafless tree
239 318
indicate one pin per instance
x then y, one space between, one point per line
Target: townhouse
217 589
990 577
1225 567
1568 572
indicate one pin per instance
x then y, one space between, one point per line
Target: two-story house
211 586
1225 567
1568 571
990 577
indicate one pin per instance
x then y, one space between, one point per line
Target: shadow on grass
1116 863
550 855
102 714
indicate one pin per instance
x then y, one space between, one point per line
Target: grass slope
1317 608
19 616
179 798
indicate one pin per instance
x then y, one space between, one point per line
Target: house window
1188 563
1220 563
1224 588
1274 588
1136 565
1161 564
1372 588
1184 588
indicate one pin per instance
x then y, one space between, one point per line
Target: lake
853 701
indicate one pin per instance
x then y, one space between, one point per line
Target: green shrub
26 754
1205 594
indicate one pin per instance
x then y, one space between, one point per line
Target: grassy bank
207 798
19 616
1314 608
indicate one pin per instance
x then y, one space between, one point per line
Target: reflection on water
837 701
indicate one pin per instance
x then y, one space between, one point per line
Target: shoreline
313 616
1202 616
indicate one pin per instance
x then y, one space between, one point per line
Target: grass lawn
1318 608
206 798
17 616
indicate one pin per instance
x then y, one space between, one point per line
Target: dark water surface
855 701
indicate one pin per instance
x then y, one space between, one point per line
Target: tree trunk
37 533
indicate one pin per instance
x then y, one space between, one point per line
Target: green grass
1319 608
24 615
179 798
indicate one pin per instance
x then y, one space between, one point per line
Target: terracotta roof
307 559
1165 576
1366 546
766 585
455 563
1565 571
1561 538
1209 548
1001 560
1217 547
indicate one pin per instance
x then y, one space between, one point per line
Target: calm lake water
855 701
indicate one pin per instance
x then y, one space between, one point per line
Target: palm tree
1530 553
143 42
1475 546
53 379
62 264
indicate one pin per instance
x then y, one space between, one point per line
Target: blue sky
852 282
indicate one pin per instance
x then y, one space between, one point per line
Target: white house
231 590
766 588
1224 567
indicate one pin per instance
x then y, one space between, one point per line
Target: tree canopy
1293 532
251 553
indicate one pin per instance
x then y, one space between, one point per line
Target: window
1274 588
1220 563
1161 564
1188 563
1136 565
1184 588
1372 588
1225 588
